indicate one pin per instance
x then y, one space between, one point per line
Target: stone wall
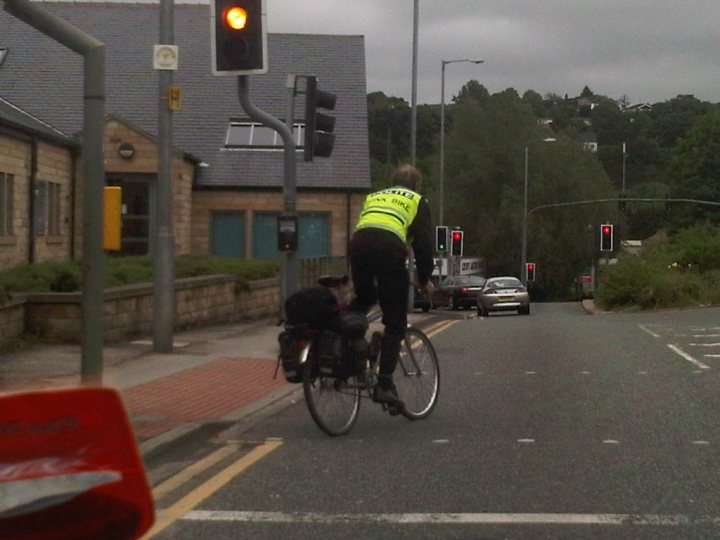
12 319
127 310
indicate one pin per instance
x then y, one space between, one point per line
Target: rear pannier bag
289 356
313 307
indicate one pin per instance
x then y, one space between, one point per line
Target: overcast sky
648 50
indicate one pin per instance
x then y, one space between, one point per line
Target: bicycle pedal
393 410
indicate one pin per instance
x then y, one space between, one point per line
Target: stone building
227 170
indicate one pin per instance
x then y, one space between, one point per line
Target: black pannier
289 356
340 356
313 307
340 349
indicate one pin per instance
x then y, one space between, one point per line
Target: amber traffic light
238 37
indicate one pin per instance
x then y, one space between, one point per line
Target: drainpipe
32 181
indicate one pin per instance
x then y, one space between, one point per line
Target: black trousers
379 273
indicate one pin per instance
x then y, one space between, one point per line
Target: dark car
459 291
422 301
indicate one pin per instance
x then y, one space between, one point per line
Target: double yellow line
168 516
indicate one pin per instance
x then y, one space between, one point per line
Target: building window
6 204
258 137
47 208
227 233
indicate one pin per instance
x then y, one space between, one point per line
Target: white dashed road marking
687 357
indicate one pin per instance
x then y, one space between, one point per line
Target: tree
695 168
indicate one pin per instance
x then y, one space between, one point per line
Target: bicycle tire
334 404
417 376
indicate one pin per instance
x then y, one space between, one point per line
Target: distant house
638 107
589 141
227 171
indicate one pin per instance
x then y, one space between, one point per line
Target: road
556 425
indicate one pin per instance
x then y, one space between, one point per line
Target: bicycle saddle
333 281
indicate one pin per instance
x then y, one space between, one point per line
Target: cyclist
390 220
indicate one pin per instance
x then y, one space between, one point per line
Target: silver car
503 294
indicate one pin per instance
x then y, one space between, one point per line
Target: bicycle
333 400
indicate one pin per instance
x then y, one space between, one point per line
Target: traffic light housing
457 243
606 237
530 271
238 32
319 138
441 238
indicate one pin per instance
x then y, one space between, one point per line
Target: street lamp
523 261
442 129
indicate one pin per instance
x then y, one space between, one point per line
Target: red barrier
70 467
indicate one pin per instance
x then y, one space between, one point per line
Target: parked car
422 301
504 293
459 291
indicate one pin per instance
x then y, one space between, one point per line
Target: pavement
215 376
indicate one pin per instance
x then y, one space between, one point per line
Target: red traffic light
606 237
531 266
457 236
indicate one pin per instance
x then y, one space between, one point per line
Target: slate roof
14 117
45 78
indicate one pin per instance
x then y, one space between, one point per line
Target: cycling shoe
388 396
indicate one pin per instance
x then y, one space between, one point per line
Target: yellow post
112 202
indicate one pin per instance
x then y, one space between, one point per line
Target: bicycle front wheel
333 403
417 376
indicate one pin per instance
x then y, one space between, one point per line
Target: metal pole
290 277
523 256
290 272
623 168
164 257
93 264
442 142
413 115
442 161
413 140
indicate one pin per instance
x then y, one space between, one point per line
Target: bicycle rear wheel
417 376
333 403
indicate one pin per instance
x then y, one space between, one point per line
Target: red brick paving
205 392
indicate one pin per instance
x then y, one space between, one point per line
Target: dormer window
254 136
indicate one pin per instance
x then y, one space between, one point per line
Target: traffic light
457 243
238 37
441 238
530 271
319 136
606 237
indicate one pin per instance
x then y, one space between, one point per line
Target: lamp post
442 130
523 256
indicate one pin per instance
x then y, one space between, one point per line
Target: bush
682 271
67 276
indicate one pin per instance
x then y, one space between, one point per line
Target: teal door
227 234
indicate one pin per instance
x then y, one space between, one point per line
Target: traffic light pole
93 173
289 270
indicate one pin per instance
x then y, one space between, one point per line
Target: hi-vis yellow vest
392 209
